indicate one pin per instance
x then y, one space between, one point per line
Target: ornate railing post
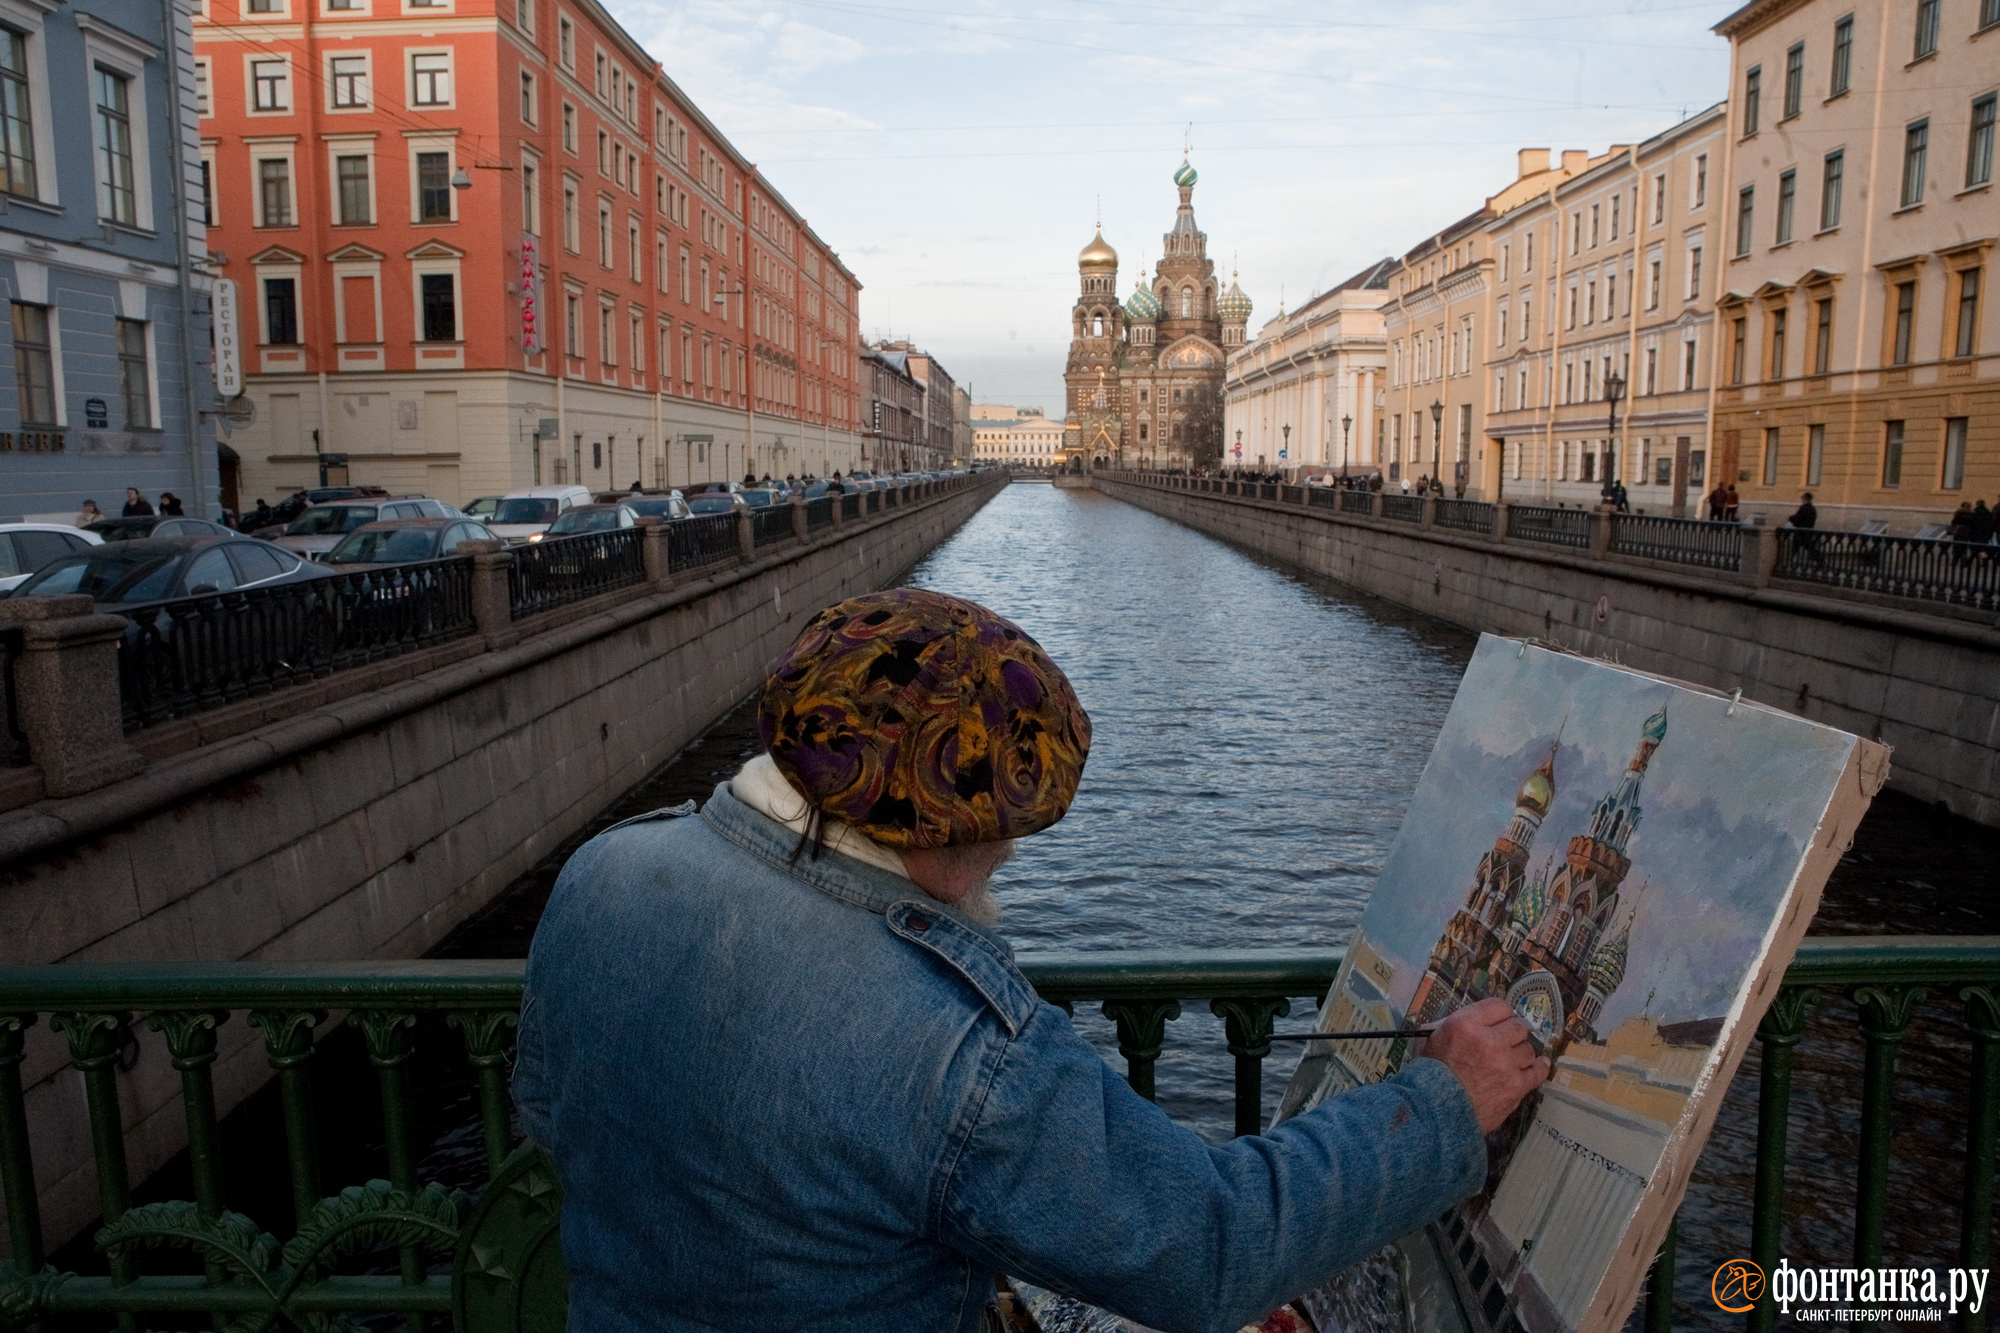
492 602
1430 515
1784 1022
388 1033
1142 1029
746 535
95 1041
1975 1227
1885 1016
288 1045
486 1032
66 691
1248 1023
653 548
17 1160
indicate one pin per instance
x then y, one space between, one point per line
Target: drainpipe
1631 302
183 261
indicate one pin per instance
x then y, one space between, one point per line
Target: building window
1746 205
1753 96
570 236
1694 272
1795 78
34 364
524 15
116 198
17 137
1823 335
1927 29
1701 180
1953 477
1788 193
266 7
1653 270
1906 318
439 294
274 191
1829 190
133 374
1989 13
531 199
351 189
433 187
607 345
1916 151
569 128
1815 454
1892 455
1739 332
1967 340
1979 143
604 234
207 193
203 102
1687 364
270 86
281 311
430 79
566 43
527 98
1771 455
1843 57
1780 324
1652 370
349 76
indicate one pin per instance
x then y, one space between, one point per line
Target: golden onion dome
1538 793
1097 254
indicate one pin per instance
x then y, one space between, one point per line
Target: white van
524 515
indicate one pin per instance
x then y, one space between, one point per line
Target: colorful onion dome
1186 175
1607 965
1234 307
1142 305
1097 254
1656 727
1534 900
1538 793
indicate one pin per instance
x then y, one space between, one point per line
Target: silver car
320 528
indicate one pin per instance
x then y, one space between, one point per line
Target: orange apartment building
483 244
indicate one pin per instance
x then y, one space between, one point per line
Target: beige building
1605 279
1316 371
1023 438
1860 356
1431 416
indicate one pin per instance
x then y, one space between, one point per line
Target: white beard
981 905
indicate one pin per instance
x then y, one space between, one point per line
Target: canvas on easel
1630 863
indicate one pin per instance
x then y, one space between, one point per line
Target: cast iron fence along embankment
561 570
1466 516
1403 508
1955 573
771 524
1552 527
1680 541
819 512
1357 502
195 653
13 741
705 539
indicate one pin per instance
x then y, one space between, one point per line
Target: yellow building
1860 356
1025 438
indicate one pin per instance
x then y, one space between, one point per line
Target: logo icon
1737 1286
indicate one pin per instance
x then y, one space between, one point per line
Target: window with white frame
34 364
437 298
353 190
607 345
270 85
274 192
432 169
347 81
18 155
117 197
135 374
529 113
571 239
531 196
566 42
430 78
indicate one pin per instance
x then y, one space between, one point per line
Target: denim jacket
806 1096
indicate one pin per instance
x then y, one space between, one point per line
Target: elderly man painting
792 1078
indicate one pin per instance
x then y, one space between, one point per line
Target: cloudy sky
955 151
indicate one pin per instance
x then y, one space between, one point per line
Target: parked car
761 498
529 511
590 518
402 541
669 506
28 547
484 507
153 569
320 528
713 488
715 502
156 525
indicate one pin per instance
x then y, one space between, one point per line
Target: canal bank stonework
1924 684
369 827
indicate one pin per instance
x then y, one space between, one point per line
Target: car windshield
661 508
584 520
485 504
759 499
380 546
320 520
711 504
106 574
525 509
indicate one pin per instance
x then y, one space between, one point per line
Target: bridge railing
1680 541
104 1020
1551 527
194 653
1953 573
561 570
1466 515
1403 508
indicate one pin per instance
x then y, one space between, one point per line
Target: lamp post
1614 389
1285 452
1345 422
1437 442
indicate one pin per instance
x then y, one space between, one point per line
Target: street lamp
1437 442
1285 453
1345 422
1614 389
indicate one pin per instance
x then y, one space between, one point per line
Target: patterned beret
925 721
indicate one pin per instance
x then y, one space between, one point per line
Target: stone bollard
798 516
1430 510
66 686
746 536
1501 508
1757 559
834 502
653 547
1600 533
492 601
1375 503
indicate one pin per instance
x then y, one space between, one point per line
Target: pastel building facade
482 244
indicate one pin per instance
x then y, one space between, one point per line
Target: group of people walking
136 506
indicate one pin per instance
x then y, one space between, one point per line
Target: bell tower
1093 423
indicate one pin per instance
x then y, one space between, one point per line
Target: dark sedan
592 518
404 541
156 525
153 569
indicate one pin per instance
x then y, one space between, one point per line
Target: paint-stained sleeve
1069 1179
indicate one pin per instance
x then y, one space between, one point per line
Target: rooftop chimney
1574 158
1532 161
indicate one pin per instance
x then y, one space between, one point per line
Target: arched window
1187 303
1097 326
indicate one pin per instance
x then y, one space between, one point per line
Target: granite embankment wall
1927 685
299 826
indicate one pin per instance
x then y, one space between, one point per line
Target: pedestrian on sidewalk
135 504
170 505
89 514
1718 500
1731 503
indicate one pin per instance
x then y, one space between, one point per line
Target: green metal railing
250 1281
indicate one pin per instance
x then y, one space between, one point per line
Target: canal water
1256 736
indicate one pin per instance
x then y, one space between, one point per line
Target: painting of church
1643 856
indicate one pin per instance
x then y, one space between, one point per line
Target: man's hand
1487 1046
